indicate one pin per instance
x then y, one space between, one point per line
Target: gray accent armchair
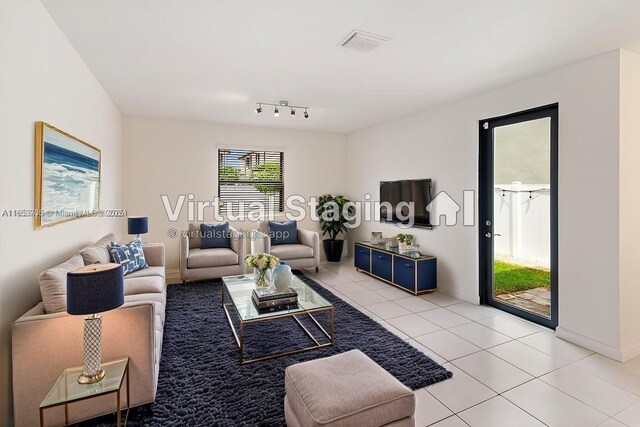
305 254
200 264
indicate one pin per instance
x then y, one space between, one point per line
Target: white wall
177 157
43 78
630 202
442 144
522 223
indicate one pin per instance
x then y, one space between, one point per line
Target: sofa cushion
283 233
286 252
215 257
215 236
347 389
99 251
53 284
146 272
143 285
130 256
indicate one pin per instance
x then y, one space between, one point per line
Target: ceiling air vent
363 41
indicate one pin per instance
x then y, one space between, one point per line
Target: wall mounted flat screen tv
415 191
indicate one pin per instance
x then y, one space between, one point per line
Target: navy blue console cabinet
411 271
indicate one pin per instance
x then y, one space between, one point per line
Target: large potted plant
333 212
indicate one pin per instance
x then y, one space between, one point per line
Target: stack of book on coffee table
268 301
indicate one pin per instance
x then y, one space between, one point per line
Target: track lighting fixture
283 104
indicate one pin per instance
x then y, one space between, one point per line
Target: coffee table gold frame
239 336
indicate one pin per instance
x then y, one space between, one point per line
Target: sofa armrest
311 239
238 244
184 254
154 254
260 242
43 345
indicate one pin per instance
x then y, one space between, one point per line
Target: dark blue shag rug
202 383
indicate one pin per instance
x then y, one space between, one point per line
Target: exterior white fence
522 223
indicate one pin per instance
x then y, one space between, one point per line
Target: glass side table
67 390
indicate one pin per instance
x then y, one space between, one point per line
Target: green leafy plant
333 213
400 237
408 239
266 172
229 173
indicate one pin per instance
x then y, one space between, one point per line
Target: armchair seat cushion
288 251
213 257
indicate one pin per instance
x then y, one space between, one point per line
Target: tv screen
394 193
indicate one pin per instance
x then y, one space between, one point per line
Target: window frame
267 153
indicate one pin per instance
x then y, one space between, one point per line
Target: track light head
306 114
276 112
259 109
293 112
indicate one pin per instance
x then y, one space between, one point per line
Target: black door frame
485 209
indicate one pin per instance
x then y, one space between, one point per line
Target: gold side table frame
66 389
239 335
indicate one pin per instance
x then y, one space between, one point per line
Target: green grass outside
510 278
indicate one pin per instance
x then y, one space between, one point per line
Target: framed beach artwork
67 181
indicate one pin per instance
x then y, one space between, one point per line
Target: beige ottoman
347 389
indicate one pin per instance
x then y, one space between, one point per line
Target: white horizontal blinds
247 176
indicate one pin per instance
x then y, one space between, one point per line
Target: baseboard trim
631 352
473 299
591 344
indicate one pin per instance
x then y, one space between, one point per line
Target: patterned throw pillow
130 256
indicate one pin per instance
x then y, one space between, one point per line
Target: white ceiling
212 60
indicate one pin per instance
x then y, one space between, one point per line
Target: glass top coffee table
239 290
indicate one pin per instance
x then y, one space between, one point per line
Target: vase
282 276
263 278
376 237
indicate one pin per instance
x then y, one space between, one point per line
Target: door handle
488 235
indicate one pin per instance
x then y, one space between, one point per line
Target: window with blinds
248 176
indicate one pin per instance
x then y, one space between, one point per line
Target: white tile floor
507 372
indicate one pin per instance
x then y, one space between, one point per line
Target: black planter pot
333 249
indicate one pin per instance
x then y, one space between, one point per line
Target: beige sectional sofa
201 264
46 339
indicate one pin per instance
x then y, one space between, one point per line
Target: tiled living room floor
507 372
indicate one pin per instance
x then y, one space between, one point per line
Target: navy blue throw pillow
131 256
215 236
283 233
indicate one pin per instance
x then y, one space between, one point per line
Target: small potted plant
401 239
333 212
405 241
408 239
263 265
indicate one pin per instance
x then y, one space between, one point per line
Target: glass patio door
518 204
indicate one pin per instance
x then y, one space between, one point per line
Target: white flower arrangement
262 263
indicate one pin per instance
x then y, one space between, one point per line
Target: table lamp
91 290
138 225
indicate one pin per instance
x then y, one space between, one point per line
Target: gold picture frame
67 177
